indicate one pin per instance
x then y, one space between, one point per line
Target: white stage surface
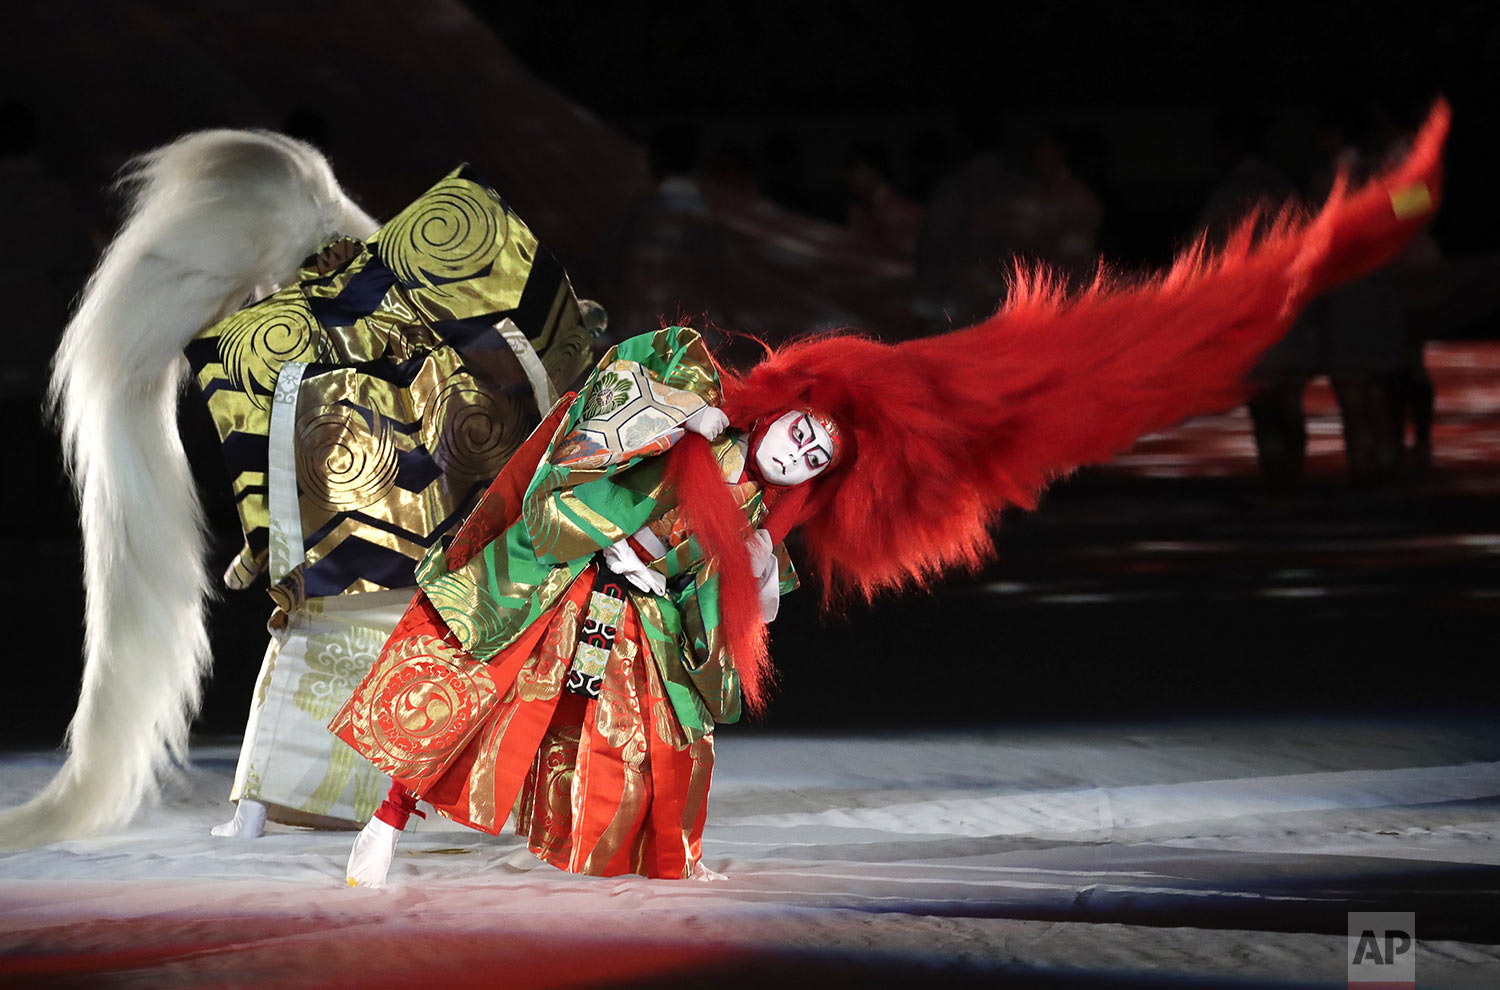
1176 854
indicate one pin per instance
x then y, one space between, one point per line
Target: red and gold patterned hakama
603 786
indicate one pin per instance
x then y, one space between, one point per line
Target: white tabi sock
249 821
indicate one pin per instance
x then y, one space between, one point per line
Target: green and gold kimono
527 681
363 410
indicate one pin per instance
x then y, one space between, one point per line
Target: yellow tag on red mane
1411 201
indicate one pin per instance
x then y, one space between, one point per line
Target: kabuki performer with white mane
364 406
593 573
570 652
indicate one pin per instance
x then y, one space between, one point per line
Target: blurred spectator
1361 335
1058 217
929 157
1251 183
668 244
967 239
880 217
987 215
784 173
45 254
1372 348
731 167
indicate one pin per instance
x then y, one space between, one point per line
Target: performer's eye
797 433
814 459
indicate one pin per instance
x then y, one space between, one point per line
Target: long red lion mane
949 430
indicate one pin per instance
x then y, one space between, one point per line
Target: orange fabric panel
479 787
603 786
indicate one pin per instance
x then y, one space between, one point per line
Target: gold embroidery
458 253
619 723
477 620
482 772
336 662
449 234
693 810
346 458
255 342
617 712
668 729
340 768
471 432
628 817
545 815
418 707
542 678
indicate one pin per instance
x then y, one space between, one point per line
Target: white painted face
796 448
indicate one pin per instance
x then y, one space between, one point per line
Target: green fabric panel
492 580
520 559
623 502
663 627
689 709
713 677
706 597
639 349
787 581
601 540
677 350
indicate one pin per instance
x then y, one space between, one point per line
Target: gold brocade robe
600 481
466 706
366 405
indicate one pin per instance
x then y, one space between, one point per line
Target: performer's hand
707 422
623 560
767 570
762 553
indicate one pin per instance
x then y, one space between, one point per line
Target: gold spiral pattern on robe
471 432
454 232
475 619
256 342
543 525
345 462
568 355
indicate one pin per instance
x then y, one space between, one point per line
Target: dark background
559 102
1138 84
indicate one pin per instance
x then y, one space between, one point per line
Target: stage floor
1169 853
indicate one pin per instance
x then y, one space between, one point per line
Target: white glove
370 859
762 553
767 571
624 561
707 422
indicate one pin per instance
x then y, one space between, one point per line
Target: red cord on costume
398 807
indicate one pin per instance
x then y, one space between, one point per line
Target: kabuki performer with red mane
569 653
